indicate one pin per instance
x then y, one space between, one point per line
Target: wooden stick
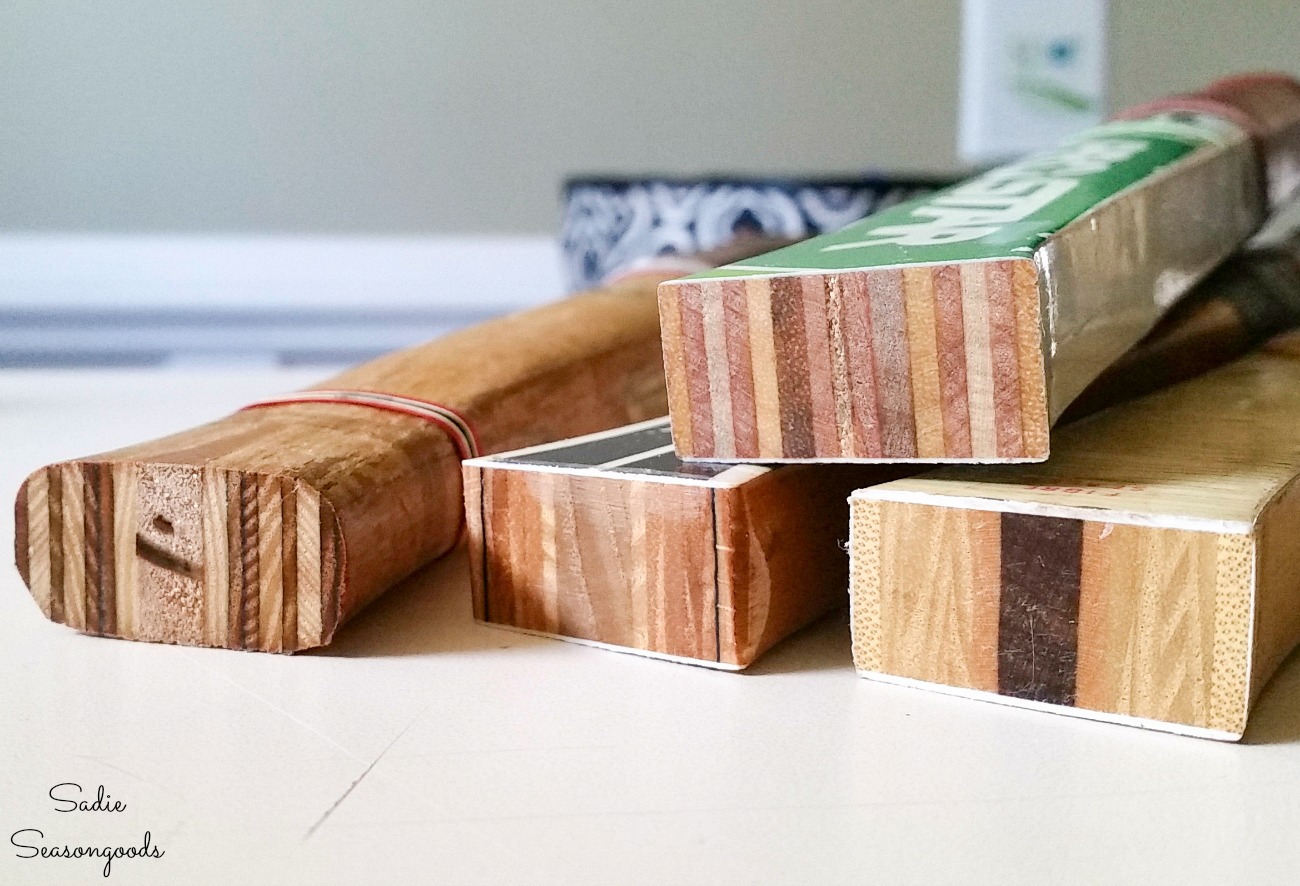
612 540
268 529
959 326
1146 574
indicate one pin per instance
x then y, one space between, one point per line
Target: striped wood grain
935 362
1131 620
714 574
114 549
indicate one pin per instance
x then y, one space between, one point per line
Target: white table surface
422 748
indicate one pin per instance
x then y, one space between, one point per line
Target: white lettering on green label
1001 197
1009 211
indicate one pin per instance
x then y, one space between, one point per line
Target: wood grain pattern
647 554
267 529
925 597
590 558
919 363
1147 571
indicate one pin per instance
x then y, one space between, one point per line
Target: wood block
524 510
610 539
958 327
1146 574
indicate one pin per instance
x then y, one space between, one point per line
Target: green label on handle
1007 212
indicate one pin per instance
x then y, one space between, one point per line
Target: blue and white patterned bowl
612 223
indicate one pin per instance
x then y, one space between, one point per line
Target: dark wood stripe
793 388
893 364
289 559
97 525
1038 617
54 485
950 338
234 564
90 547
744 415
22 536
690 301
249 553
1006 362
855 323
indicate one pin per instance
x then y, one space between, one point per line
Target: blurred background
315 181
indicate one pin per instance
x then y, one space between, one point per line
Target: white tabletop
422 748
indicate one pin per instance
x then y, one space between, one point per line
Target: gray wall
409 116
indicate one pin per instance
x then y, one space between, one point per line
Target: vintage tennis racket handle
269 528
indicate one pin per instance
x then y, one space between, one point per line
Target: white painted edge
626 650
1044 707
1098 514
729 479
734 476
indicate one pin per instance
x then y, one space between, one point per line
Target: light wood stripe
1150 643
825 409
855 320
735 302
892 363
657 543
695 346
1002 352
1029 347
639 578
38 539
1233 616
767 400
126 490
979 361
927 402
938 593
984 590
865 586
556 529
679 401
73 553
331 579
743 592
1094 652
309 568
951 333
841 386
216 559
719 369
270 559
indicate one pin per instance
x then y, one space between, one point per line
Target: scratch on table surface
275 707
128 773
335 805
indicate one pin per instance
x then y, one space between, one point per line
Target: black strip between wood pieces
1038 617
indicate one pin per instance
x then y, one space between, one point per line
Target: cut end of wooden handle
184 554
